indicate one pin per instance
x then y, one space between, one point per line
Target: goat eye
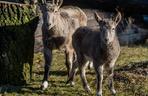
113 29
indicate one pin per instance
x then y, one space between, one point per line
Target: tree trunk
17 27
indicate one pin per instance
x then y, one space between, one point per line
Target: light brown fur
59 24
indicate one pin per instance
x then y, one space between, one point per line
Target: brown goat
99 46
58 26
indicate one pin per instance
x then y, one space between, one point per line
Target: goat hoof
99 95
72 84
113 92
90 66
44 85
88 90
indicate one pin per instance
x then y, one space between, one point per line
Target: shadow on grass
9 88
55 73
140 68
31 89
19 89
22 90
135 68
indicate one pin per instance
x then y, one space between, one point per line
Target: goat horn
60 4
97 17
53 2
118 17
57 1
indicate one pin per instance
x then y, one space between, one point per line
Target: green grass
131 77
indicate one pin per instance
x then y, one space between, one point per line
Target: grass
131 77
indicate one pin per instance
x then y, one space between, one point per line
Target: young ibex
99 46
58 26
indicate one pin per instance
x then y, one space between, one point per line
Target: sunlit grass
132 54
131 80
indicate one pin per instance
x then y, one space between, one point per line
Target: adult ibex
58 26
99 46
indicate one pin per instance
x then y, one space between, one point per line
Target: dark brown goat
99 46
58 26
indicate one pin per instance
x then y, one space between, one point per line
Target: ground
131 77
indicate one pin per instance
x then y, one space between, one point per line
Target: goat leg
111 83
72 74
82 68
48 59
99 72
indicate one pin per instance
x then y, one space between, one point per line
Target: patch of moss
15 15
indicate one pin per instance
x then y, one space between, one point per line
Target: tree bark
17 27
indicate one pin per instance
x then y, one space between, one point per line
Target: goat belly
58 42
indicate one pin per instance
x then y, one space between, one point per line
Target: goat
99 46
58 26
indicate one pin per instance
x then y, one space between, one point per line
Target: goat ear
97 17
117 18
